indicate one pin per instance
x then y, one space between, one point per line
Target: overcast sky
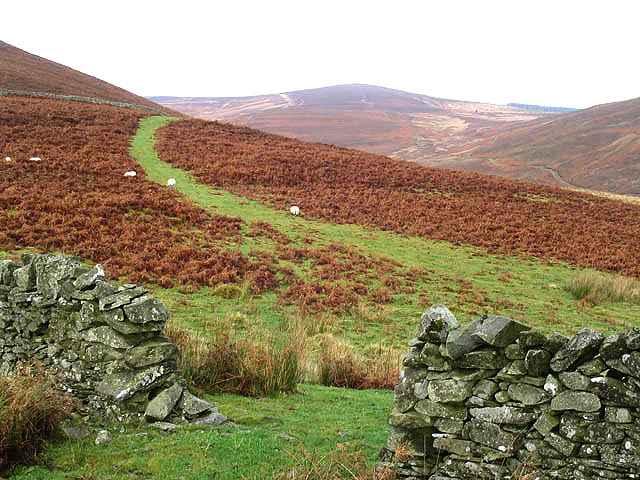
558 53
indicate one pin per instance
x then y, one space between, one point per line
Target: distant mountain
20 70
400 124
541 108
597 148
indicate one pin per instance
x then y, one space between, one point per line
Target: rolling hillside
597 148
402 125
20 70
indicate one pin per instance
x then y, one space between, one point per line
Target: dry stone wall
497 400
103 343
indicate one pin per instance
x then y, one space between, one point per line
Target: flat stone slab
583 344
499 331
161 405
576 400
503 415
449 391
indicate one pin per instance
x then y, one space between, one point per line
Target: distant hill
541 108
597 148
20 70
403 125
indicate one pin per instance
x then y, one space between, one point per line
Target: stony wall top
103 343
497 400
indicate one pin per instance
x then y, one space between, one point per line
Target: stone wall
497 400
103 344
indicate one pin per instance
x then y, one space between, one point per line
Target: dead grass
30 410
595 287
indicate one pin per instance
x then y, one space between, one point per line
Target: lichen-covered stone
498 331
25 278
89 279
462 340
162 404
146 309
50 271
107 336
632 339
434 409
617 415
485 389
120 298
436 323
576 400
514 352
527 394
431 357
123 385
192 406
449 391
7 267
581 345
554 343
503 415
447 425
603 432
537 362
531 338
490 435
485 358
632 362
410 419
151 352
545 423
561 444
574 380
614 346
592 368
404 398
613 392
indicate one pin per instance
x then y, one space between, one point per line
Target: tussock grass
257 364
30 410
340 365
595 287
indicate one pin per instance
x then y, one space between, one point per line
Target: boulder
162 404
436 323
498 331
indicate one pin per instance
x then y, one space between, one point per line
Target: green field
468 280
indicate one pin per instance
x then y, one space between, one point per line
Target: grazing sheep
130 173
295 210
171 182
35 159
7 159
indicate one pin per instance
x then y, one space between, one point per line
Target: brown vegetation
77 201
346 186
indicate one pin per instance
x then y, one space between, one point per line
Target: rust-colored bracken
347 186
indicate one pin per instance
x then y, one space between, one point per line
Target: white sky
559 53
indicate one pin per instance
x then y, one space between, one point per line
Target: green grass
320 418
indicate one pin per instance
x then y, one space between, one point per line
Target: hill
400 124
597 148
20 70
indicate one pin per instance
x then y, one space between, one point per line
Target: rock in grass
161 405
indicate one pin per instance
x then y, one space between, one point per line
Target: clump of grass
595 287
375 315
30 410
256 365
340 365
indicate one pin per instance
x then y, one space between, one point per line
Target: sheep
295 210
171 182
7 159
130 173
35 159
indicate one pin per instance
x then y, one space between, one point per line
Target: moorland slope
20 70
404 125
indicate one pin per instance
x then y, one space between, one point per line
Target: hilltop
403 125
597 148
20 70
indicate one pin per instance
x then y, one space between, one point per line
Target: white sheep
171 182
35 159
7 159
130 173
295 210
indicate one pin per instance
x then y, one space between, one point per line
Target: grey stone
7 267
531 338
614 346
546 422
449 391
162 404
592 368
632 362
165 426
25 278
632 339
613 392
623 460
554 343
485 389
436 323
447 425
498 331
191 406
561 444
75 433
503 415
574 380
490 435
484 358
576 400
123 385
104 437
146 309
434 409
410 419
585 343
106 336
420 390
537 362
50 270
617 415
603 432
89 279
552 385
514 352
431 357
151 352
120 298
527 394
462 340
210 420
404 398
